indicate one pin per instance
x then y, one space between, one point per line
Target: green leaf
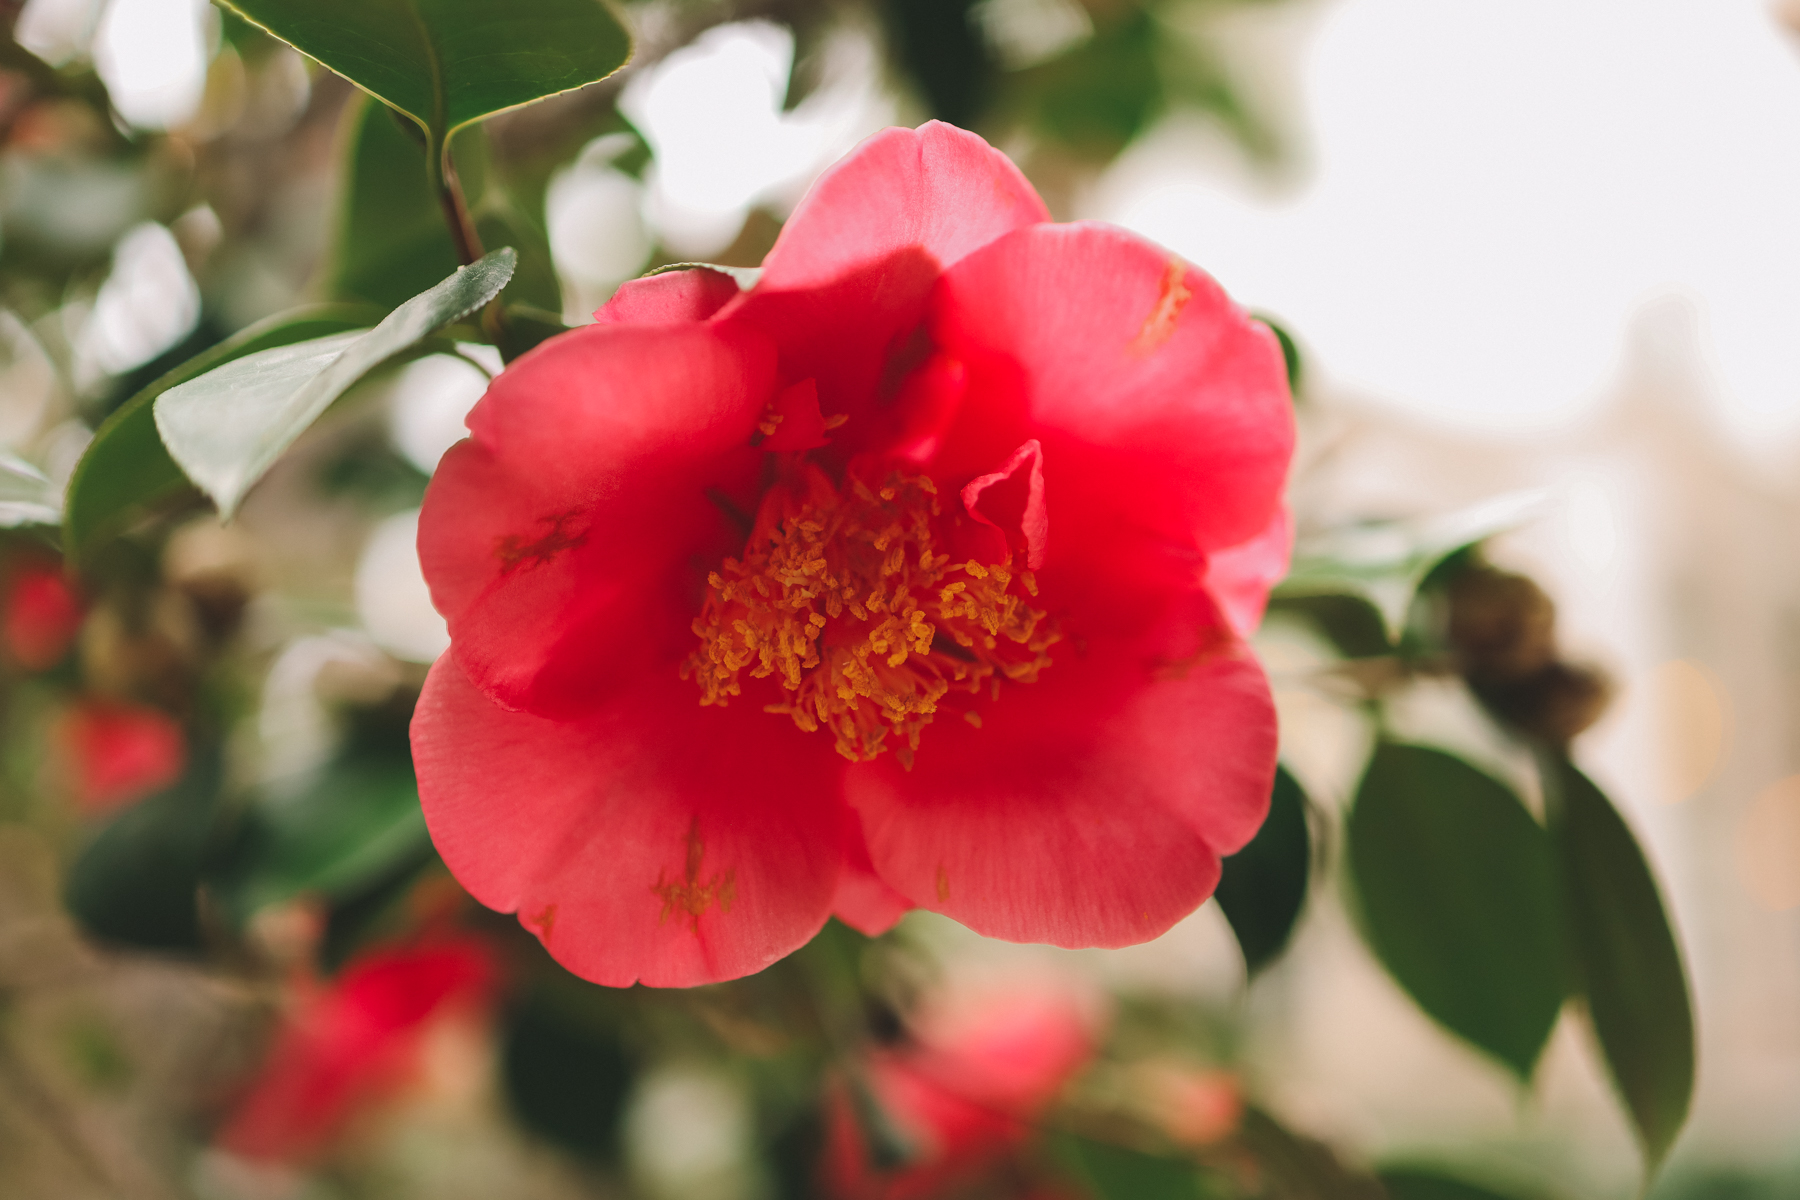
392 242
227 427
446 63
1290 352
1117 1173
1384 562
26 497
1263 886
1423 1183
1354 627
525 327
1458 898
126 466
1626 960
566 1080
356 824
137 882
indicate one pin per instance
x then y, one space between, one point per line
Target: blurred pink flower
960 1096
1195 1106
117 752
42 615
352 1043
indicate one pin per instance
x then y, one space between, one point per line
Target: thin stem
444 182
442 173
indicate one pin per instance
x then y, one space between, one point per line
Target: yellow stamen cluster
843 596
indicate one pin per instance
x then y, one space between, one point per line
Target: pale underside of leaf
26 496
230 425
226 428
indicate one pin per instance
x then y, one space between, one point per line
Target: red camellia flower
353 1042
915 574
961 1095
43 614
117 752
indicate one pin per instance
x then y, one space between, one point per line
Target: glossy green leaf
1263 887
1627 963
446 63
137 882
357 823
1118 1173
26 496
227 427
126 467
392 242
1425 1183
1458 898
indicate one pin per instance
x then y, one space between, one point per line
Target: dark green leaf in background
1263 887
525 328
1458 898
940 45
227 427
566 1080
1118 1173
1354 627
446 63
137 882
1626 960
1424 1183
1099 94
392 242
356 824
1290 352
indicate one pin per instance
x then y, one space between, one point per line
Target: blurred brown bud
1502 626
1554 703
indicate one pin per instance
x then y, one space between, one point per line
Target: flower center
845 597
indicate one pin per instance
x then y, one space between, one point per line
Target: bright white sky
1498 185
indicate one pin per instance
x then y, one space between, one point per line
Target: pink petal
1162 408
670 298
119 752
652 840
563 541
345 1045
802 425
1032 519
43 615
1091 807
863 901
844 288
1240 576
936 188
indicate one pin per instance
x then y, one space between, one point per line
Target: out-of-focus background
1545 251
